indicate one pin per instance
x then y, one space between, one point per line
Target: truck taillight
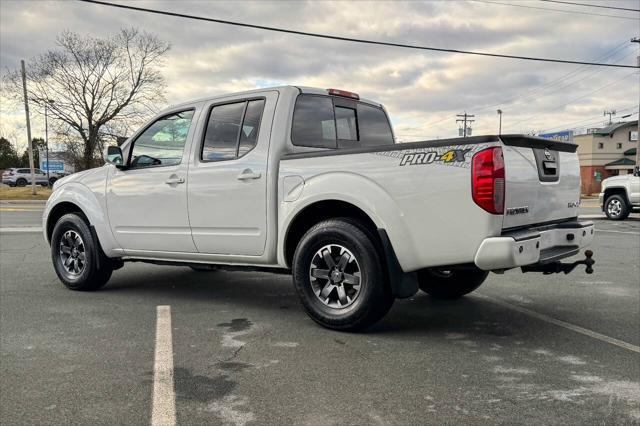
487 185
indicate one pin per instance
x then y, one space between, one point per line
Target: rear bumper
535 245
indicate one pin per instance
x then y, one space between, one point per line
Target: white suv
22 177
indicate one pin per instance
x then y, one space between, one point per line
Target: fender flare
88 203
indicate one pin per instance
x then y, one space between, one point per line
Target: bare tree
93 85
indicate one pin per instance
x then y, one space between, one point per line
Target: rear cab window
333 122
232 130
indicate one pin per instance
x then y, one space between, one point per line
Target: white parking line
569 326
618 232
164 400
18 229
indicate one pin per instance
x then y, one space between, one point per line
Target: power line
595 123
549 84
579 123
578 98
554 10
591 5
350 39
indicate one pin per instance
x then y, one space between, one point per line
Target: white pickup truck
620 195
310 182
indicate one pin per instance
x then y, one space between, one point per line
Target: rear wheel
77 257
21 182
339 276
450 284
616 207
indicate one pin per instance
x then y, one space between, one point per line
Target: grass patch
24 193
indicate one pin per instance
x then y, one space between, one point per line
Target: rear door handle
174 181
249 174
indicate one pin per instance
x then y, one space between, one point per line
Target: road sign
563 136
53 165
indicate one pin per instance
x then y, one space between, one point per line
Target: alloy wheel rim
335 275
72 253
614 208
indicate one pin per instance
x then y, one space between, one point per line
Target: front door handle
174 180
249 174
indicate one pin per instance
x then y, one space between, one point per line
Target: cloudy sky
422 90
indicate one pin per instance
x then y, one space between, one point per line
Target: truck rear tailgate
542 181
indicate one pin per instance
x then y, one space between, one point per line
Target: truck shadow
273 295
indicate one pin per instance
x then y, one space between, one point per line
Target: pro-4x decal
450 156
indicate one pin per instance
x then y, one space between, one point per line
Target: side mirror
113 155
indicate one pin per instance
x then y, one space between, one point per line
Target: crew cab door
228 177
147 201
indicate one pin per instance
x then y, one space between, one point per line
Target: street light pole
637 168
500 122
46 140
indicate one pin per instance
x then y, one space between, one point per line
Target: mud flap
403 284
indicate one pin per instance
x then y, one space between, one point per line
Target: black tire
21 182
616 207
450 284
366 305
52 181
89 275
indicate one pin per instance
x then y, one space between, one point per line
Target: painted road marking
16 209
18 229
560 323
163 412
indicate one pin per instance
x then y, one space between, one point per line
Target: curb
35 202
603 217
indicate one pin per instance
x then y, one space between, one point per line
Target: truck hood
615 180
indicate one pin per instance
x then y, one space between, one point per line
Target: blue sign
52 166
563 136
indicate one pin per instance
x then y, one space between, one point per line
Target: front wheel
77 257
339 277
21 182
450 284
616 208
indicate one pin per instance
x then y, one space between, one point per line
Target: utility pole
46 138
637 168
465 119
500 122
29 144
609 112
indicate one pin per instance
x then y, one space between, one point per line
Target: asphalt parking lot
524 348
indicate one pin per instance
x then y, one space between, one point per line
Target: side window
232 130
162 143
250 126
313 122
373 126
346 125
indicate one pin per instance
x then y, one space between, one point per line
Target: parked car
310 182
16 176
620 196
54 176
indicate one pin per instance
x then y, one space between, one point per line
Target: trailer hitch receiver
557 267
